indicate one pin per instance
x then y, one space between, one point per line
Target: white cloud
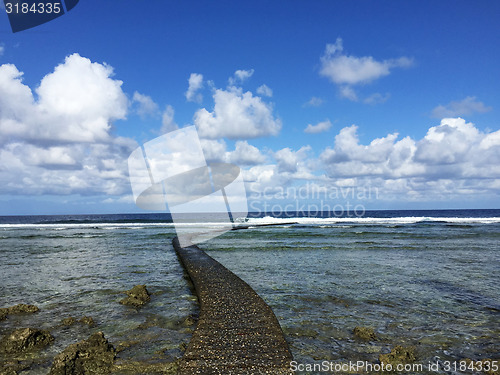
76 103
347 71
195 83
348 92
245 154
214 150
464 107
60 142
264 90
454 158
240 76
145 105
236 115
320 127
167 120
351 70
290 161
2 49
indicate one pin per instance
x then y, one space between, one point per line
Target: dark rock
398 355
22 308
13 367
94 356
88 321
365 333
68 321
25 339
85 320
17 309
137 296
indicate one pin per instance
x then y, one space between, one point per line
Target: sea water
421 279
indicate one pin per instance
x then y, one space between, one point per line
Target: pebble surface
237 332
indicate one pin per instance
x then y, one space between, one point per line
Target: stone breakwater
237 332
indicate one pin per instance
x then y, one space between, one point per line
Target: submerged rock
68 321
17 309
25 339
72 320
87 320
137 296
22 308
94 356
365 333
398 355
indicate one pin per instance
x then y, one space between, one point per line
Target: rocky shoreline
25 350
32 350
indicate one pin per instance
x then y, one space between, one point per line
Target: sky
323 104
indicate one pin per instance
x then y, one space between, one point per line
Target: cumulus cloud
320 127
345 70
167 120
76 103
352 70
290 161
237 115
264 90
452 155
464 107
195 83
214 150
240 76
245 154
145 105
61 141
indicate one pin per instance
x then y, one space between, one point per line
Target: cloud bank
60 140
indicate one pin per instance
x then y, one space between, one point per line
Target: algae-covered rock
365 333
87 320
25 339
68 321
13 367
17 309
398 355
137 296
22 309
94 356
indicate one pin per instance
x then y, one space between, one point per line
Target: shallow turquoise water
431 285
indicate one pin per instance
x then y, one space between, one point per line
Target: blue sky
398 97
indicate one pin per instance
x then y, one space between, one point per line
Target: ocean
426 280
